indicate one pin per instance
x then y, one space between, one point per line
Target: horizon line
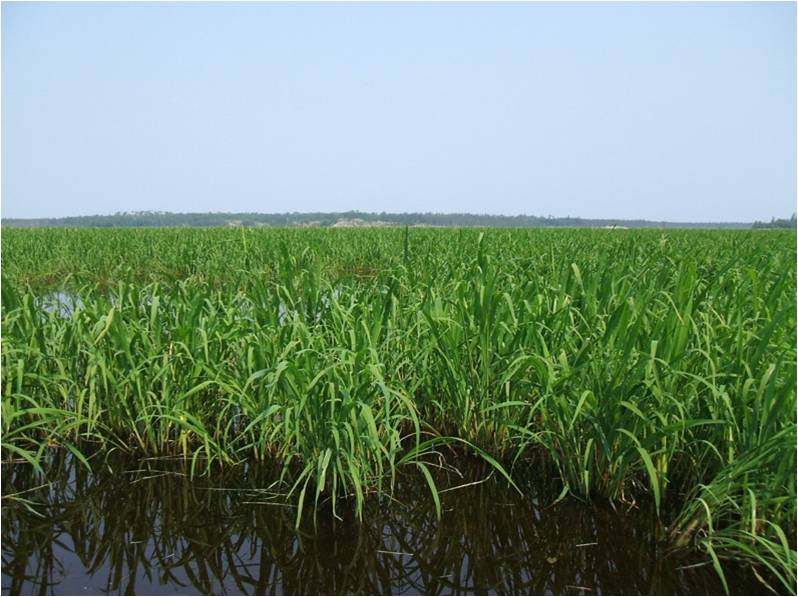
377 213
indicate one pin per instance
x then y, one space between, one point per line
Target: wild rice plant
646 367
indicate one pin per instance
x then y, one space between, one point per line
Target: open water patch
148 528
61 302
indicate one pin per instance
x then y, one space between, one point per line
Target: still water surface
147 528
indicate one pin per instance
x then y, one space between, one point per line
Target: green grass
647 366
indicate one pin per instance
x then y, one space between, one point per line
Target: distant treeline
356 218
774 223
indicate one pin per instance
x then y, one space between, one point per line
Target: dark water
146 528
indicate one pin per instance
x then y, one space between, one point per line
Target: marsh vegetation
653 371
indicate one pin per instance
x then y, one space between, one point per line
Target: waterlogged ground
652 368
145 528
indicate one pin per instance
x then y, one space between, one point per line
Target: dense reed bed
648 367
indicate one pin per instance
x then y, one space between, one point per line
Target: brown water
146 528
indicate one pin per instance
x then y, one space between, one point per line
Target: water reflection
62 303
148 529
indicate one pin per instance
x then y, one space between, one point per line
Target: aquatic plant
645 367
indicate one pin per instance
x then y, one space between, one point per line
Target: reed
646 366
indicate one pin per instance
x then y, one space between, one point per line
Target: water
146 528
62 303
65 304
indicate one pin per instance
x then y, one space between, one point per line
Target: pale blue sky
661 111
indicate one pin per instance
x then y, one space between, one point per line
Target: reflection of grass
220 531
643 367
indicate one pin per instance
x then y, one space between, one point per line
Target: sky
665 111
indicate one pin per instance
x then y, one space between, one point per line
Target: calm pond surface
144 527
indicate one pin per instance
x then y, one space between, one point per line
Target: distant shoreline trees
356 218
774 223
